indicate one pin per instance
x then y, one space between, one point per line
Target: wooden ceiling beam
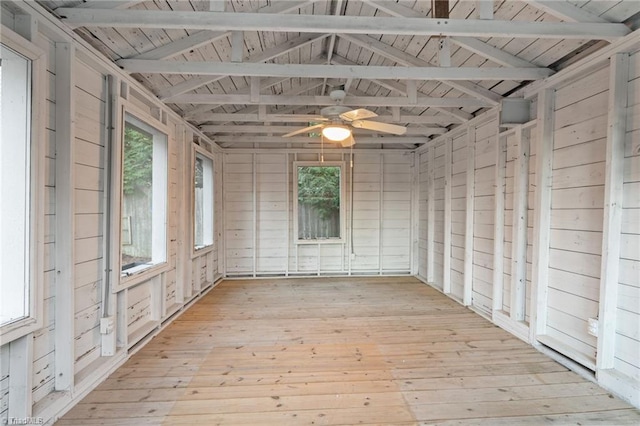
201 38
256 129
405 59
306 139
566 11
470 43
354 101
331 71
284 48
457 114
226 21
306 118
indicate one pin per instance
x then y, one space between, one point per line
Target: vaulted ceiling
248 71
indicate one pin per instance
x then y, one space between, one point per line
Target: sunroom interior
320 211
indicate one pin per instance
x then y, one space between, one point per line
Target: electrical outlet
593 327
106 325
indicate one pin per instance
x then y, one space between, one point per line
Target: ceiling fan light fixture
336 132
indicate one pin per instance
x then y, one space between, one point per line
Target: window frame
195 252
137 274
34 260
341 164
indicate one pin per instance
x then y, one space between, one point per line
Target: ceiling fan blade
346 143
357 114
305 130
380 127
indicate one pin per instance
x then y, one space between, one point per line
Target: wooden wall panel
458 214
628 306
271 213
438 219
239 213
423 217
575 245
485 146
89 149
395 233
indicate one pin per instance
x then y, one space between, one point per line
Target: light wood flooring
352 351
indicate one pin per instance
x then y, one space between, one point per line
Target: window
319 207
203 202
20 189
144 196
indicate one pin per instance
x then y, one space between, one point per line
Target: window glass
144 188
319 204
15 178
203 202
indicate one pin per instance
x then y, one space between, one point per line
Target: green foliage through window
138 160
319 187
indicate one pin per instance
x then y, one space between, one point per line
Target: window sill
199 251
140 273
322 241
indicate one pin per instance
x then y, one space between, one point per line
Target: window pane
203 202
15 105
137 200
318 202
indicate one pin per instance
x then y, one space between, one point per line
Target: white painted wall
580 120
140 306
258 209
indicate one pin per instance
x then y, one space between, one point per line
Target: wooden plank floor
341 351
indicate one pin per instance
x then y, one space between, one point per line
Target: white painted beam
217 5
264 85
498 225
355 101
431 214
216 21
201 38
446 262
457 114
566 11
404 58
485 9
613 198
303 139
229 128
542 218
108 4
302 118
490 52
467 291
265 55
331 71
65 216
519 228
237 46
444 52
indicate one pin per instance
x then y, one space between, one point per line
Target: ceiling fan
339 121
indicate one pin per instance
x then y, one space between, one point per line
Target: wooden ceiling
246 72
